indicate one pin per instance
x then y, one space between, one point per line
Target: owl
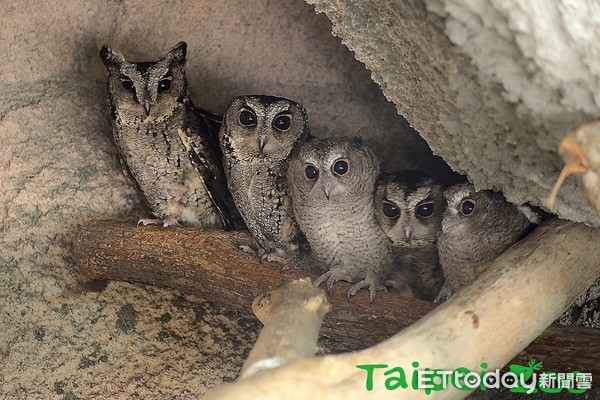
332 184
257 137
477 227
167 144
409 207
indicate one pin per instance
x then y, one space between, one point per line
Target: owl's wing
212 123
208 115
214 185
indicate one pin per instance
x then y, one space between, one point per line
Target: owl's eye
164 85
390 210
311 172
247 118
127 84
467 207
341 167
282 122
425 209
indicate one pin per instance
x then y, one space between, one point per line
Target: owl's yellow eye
390 210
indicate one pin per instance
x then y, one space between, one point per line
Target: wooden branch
292 316
490 321
209 264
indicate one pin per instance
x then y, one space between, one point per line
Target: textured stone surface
498 116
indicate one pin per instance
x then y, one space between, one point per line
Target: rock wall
491 85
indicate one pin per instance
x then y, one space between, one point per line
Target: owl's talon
261 253
320 279
274 257
149 221
373 288
246 248
156 221
170 222
332 276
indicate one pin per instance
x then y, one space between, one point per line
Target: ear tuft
109 57
178 53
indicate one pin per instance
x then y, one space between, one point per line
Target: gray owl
257 137
332 183
477 227
168 145
409 207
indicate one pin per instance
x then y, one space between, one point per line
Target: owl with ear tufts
167 144
477 227
257 137
332 182
409 207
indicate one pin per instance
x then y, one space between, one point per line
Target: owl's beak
262 142
408 232
147 106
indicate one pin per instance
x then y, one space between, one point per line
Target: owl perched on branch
332 182
257 137
409 207
167 144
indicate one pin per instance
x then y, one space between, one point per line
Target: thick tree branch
489 322
209 264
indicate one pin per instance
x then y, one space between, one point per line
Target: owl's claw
263 255
373 285
332 276
274 257
155 221
170 222
149 221
246 248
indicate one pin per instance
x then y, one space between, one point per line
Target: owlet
332 182
168 145
409 207
257 137
477 227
